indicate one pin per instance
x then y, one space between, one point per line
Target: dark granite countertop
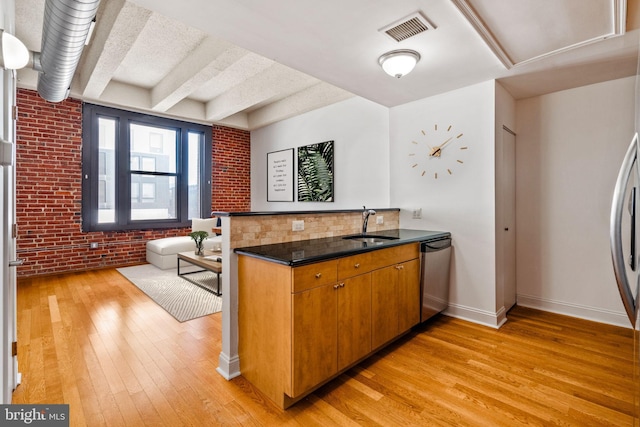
314 250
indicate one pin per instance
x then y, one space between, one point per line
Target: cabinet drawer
312 275
401 253
364 263
356 264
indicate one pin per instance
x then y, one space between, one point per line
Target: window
135 192
143 171
155 142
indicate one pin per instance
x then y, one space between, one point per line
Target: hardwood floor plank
95 341
147 411
128 409
90 407
241 416
116 385
70 392
171 409
54 311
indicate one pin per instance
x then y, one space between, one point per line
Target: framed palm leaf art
315 172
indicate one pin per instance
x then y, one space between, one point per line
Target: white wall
463 202
569 147
360 131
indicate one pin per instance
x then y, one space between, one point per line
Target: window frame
90 162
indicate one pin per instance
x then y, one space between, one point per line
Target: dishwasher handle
435 245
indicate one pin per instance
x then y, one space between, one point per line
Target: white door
508 231
10 376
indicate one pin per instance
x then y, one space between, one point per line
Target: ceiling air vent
408 27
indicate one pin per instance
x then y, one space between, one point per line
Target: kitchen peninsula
310 309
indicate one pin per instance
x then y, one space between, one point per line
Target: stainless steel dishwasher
434 276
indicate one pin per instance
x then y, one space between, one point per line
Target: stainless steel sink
370 239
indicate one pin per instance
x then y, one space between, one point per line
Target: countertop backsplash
268 229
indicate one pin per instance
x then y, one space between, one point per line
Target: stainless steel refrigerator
625 241
624 249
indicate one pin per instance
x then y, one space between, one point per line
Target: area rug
180 298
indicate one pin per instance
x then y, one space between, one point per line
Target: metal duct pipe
65 29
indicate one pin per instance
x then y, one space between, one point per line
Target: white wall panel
360 131
463 202
569 148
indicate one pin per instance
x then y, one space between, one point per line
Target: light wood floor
94 341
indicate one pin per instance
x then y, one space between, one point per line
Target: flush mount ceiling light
398 63
13 54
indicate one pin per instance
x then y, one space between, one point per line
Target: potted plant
199 237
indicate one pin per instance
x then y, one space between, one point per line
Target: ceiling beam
118 26
258 89
309 99
234 74
203 64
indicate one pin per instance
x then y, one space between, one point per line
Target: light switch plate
417 213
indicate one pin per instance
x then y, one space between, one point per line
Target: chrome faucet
365 218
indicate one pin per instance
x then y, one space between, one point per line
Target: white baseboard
482 317
575 310
229 368
501 317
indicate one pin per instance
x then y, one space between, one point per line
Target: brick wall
231 189
49 194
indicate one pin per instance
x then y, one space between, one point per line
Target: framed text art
280 176
315 172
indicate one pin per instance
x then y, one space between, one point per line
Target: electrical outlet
417 213
297 225
379 219
93 245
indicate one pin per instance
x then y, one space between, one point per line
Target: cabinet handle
357 265
335 286
341 285
399 267
318 275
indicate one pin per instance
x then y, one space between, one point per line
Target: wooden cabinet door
408 295
395 301
314 342
354 319
384 305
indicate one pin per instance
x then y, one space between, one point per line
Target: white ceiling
249 63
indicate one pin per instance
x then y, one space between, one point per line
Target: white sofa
163 252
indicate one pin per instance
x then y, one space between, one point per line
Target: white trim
228 367
501 317
229 360
484 33
618 29
483 317
616 318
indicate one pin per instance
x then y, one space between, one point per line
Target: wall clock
438 151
